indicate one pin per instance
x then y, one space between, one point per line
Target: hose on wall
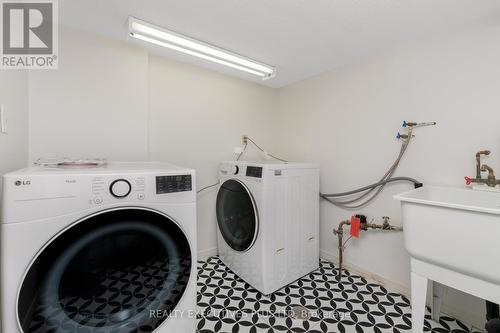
372 191
371 187
394 179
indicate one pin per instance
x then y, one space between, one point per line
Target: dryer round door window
107 274
236 215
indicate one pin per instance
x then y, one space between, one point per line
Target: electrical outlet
3 120
244 139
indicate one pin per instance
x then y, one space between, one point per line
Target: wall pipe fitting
340 235
339 232
415 124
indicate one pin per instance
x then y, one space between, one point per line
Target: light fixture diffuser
166 38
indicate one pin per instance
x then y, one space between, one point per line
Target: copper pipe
478 162
491 180
340 234
486 167
363 226
341 254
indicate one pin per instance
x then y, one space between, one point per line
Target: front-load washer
103 250
268 221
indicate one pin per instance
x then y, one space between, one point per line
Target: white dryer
268 221
101 250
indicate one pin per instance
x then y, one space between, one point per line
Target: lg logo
22 182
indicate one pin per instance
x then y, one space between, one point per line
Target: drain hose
372 186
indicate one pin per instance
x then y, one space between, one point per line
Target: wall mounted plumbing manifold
358 223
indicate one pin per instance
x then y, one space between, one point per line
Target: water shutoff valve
414 124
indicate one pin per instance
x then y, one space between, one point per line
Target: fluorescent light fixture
177 42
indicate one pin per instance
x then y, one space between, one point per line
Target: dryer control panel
253 171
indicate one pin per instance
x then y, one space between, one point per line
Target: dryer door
237 215
106 274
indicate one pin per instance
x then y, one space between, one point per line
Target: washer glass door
236 215
107 274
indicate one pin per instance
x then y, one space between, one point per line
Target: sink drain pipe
363 225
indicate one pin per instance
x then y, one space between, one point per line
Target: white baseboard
370 276
206 253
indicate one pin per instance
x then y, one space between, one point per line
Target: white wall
196 119
109 99
14 144
347 121
94 104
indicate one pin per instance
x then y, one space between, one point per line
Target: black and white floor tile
229 304
123 295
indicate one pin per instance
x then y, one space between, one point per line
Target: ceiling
302 38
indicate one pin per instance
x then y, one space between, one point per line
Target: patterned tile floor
228 304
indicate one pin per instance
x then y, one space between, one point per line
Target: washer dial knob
120 188
229 170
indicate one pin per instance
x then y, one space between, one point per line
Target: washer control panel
44 193
136 188
171 184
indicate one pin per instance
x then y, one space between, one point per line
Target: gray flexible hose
369 187
387 175
355 202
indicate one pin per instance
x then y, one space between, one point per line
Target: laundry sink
453 238
456 228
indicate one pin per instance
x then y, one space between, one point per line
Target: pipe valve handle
402 136
468 180
409 123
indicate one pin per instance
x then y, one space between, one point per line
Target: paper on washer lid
71 163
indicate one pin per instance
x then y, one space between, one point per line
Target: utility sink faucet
478 161
490 180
